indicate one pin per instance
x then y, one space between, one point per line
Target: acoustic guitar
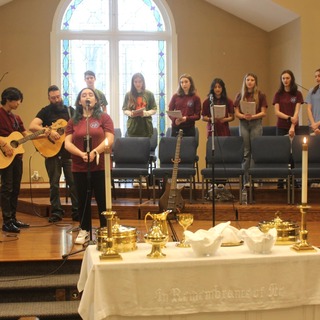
15 140
49 147
172 198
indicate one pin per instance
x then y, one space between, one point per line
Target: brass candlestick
302 244
108 252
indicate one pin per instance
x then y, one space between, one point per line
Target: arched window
115 39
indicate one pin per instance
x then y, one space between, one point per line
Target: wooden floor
47 241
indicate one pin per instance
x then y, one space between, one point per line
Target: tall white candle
304 186
107 169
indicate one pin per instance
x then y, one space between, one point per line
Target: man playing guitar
60 159
12 174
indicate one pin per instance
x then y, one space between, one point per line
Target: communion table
234 284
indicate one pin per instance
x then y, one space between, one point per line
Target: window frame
114 36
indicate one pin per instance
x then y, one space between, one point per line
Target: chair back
154 140
227 149
313 149
167 149
271 150
234 131
269 130
133 152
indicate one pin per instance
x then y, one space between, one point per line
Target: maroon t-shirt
97 129
287 105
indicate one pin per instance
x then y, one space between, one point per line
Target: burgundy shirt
97 129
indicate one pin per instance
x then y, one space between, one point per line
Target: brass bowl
287 231
124 238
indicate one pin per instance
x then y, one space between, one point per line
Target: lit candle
304 186
107 169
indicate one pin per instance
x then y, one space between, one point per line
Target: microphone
88 103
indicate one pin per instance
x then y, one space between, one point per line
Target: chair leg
202 191
288 190
154 189
140 189
292 189
192 182
250 190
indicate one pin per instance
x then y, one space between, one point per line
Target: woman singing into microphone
89 117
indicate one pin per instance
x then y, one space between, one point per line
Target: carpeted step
43 310
61 287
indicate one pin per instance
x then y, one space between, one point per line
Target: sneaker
83 235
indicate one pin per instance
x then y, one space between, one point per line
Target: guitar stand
174 236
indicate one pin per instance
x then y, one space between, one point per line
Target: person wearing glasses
11 174
61 160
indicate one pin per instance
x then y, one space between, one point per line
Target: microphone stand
88 149
87 140
212 160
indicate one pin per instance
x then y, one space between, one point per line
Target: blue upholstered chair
186 169
227 159
271 158
131 160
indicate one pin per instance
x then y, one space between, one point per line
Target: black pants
10 188
85 187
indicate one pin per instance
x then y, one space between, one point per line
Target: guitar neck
176 163
31 136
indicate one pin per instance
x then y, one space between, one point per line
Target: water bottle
244 196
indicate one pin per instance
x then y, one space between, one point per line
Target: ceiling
265 14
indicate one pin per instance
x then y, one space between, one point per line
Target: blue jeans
54 166
249 130
10 189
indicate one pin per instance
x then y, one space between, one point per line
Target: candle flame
106 142
304 140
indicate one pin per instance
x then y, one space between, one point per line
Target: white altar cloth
234 280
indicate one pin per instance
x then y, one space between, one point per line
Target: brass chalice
185 220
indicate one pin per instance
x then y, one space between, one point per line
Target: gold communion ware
185 220
287 231
302 244
159 219
125 238
157 239
108 250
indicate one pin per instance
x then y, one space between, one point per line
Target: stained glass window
115 39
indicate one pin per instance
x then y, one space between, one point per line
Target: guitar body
171 199
13 141
48 147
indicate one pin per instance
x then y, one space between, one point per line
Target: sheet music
174 113
248 107
218 110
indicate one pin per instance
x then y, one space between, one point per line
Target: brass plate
231 244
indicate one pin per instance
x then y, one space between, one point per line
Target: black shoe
20 224
10 227
55 218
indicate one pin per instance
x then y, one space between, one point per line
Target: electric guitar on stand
48 147
15 140
172 198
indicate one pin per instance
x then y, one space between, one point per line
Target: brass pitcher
160 220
